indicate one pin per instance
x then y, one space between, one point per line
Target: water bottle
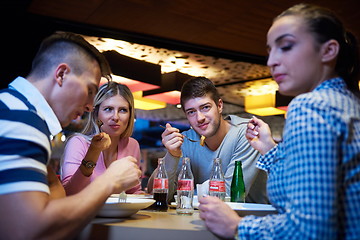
217 182
237 184
185 190
160 188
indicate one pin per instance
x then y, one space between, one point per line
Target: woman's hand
258 134
219 217
100 141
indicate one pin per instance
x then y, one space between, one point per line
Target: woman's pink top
75 150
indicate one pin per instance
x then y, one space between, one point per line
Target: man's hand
124 173
172 140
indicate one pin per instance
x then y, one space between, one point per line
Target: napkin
202 189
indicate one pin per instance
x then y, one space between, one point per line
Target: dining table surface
148 224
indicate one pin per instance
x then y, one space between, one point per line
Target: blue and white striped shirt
25 147
314 174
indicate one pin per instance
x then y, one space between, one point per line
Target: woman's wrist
87 167
267 148
236 234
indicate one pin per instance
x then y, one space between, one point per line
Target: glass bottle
160 188
237 184
217 182
185 189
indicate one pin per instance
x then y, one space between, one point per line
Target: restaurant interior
155 45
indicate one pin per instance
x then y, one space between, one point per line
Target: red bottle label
161 183
185 185
217 186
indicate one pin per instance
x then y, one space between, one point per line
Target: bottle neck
238 170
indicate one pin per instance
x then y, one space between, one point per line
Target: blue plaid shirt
314 174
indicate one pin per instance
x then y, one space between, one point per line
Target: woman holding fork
314 173
104 139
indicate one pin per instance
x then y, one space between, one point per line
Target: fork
99 123
122 197
191 140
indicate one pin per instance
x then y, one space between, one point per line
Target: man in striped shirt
61 86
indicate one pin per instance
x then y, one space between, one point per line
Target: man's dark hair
198 87
60 46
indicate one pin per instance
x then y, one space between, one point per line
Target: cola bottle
160 188
237 184
217 182
185 190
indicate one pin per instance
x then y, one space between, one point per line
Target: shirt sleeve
71 176
25 149
309 172
267 159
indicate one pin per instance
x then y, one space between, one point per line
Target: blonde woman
104 139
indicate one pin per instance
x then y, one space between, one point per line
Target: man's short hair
198 87
62 46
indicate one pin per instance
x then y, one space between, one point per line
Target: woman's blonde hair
107 91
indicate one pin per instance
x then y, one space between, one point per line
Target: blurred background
153 46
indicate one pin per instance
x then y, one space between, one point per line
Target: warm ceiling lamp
262 105
146 104
136 74
170 90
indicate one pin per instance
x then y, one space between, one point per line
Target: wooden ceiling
233 25
229 34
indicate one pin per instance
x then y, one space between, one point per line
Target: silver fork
122 197
191 140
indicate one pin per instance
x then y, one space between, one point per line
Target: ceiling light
145 103
262 105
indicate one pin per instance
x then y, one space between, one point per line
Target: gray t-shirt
233 147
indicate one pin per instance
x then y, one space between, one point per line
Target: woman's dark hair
326 26
198 87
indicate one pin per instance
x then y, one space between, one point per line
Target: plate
244 209
146 196
112 208
195 201
256 209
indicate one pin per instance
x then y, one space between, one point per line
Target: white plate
147 196
256 209
244 209
112 208
196 201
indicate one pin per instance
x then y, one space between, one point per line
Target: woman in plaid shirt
314 173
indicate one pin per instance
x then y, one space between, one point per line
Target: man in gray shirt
224 138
